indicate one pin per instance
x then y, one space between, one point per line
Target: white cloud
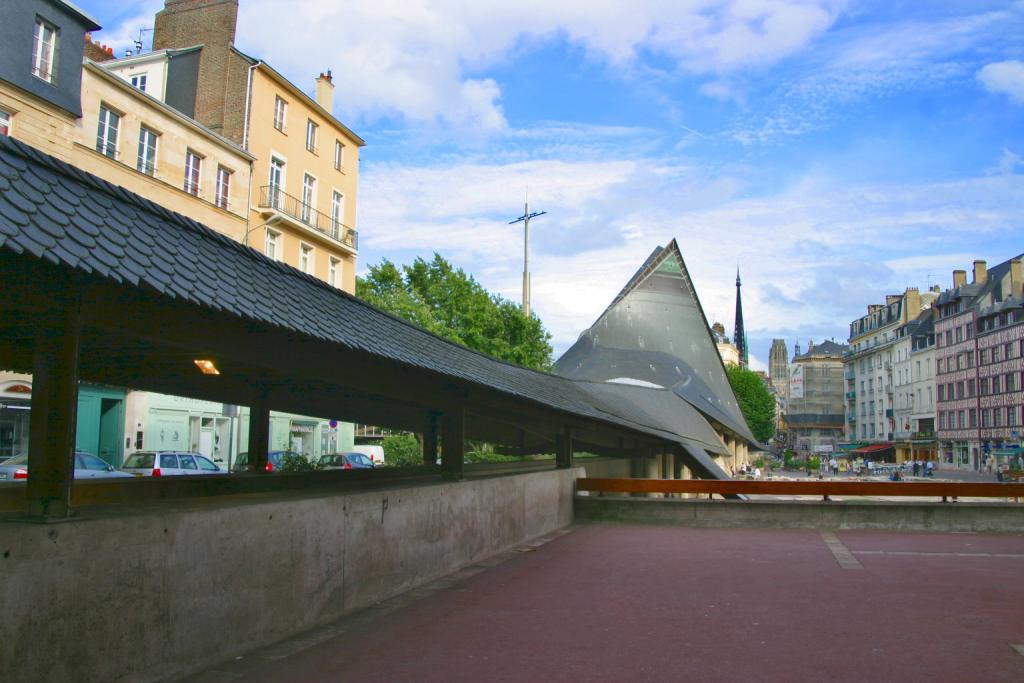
423 59
1006 78
811 256
874 60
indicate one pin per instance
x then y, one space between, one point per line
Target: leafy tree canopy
452 304
756 402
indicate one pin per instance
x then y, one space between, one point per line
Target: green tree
450 303
756 402
402 450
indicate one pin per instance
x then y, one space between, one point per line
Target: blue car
274 460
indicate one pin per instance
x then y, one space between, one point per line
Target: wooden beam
563 456
52 422
430 440
804 488
259 433
453 442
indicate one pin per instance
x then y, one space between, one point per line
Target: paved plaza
629 603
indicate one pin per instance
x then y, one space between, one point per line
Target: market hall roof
64 216
654 332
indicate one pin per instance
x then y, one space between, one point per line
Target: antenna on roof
138 41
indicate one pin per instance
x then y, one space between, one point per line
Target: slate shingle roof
57 212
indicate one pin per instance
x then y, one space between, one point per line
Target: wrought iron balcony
274 198
851 394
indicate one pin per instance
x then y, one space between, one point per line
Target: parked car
375 453
274 461
169 463
345 461
87 466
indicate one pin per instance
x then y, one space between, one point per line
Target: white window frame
312 129
145 161
222 191
337 212
43 52
6 122
334 272
307 258
280 113
339 155
193 172
139 81
272 244
308 203
276 196
106 141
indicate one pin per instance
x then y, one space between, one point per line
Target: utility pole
525 218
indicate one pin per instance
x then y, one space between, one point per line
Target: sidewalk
628 603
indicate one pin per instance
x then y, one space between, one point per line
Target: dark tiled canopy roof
53 211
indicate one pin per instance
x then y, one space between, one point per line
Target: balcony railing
851 394
273 197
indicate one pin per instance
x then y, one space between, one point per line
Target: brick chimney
959 278
891 299
980 272
220 87
1016 279
97 52
912 305
325 90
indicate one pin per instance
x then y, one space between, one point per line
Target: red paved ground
628 603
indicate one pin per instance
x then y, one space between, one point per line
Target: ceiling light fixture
206 366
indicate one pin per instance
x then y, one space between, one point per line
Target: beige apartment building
134 140
302 210
304 189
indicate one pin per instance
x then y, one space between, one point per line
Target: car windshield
17 460
91 462
140 460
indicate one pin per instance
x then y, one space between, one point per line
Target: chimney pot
959 278
1016 278
325 91
980 272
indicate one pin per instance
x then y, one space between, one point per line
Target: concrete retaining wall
153 593
916 516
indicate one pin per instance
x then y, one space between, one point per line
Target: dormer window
44 51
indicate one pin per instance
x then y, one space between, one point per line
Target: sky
834 151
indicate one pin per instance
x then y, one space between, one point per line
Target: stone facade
869 365
979 332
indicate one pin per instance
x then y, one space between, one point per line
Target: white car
87 466
169 463
374 453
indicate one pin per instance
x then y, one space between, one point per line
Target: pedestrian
931 468
917 467
757 473
835 466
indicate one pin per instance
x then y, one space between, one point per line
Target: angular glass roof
655 332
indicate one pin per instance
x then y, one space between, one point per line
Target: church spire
739 336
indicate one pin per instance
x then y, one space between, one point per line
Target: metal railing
821 487
273 197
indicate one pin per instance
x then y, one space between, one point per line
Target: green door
100 424
111 427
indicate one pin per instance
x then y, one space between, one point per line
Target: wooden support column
259 433
453 442
52 422
563 455
430 440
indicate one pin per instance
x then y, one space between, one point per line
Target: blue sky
835 150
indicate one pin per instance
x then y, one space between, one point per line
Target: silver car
87 466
